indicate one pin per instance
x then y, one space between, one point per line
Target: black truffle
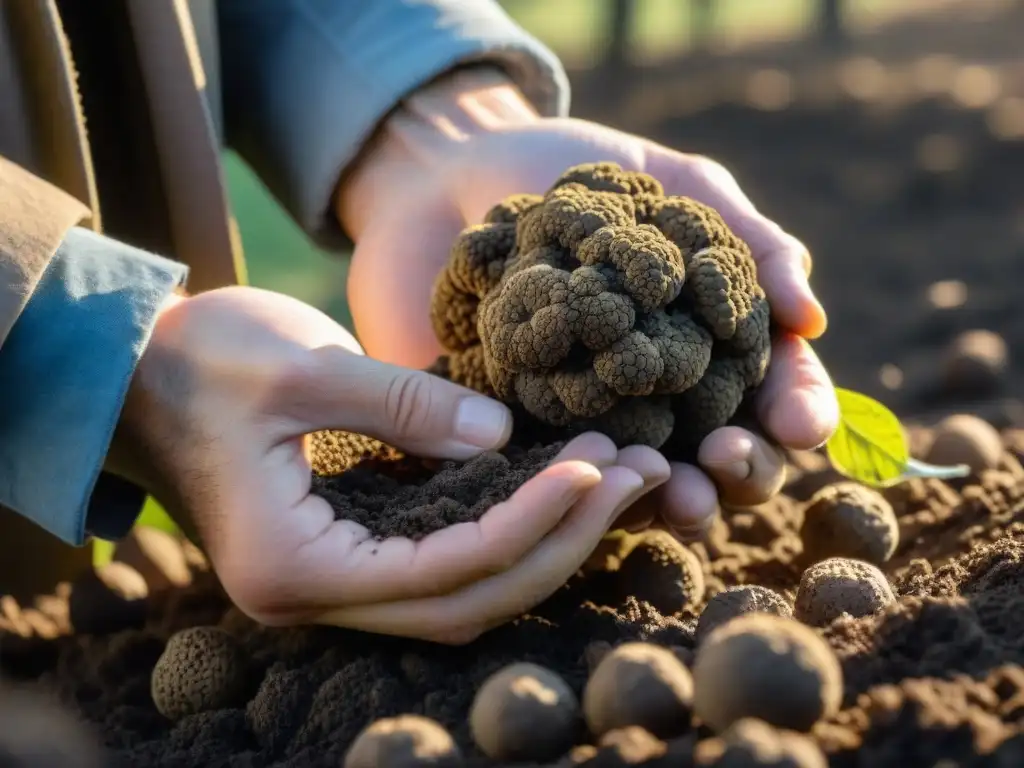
408 741
524 712
839 585
639 684
737 601
201 669
768 667
753 743
849 520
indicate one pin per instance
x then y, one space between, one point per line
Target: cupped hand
433 189
216 424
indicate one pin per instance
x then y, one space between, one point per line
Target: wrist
420 139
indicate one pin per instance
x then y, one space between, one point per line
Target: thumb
783 262
410 409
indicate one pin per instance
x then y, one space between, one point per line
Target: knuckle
259 593
708 170
407 402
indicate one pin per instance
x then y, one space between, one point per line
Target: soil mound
937 673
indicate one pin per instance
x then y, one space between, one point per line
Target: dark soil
414 498
935 678
937 674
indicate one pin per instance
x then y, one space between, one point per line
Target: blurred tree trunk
620 35
832 22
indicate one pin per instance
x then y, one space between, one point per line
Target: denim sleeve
306 82
64 373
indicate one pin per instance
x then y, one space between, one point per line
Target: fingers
345 566
655 470
464 614
410 409
745 467
687 503
784 264
797 402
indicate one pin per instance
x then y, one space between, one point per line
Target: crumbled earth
937 673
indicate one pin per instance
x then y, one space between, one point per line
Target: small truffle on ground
975 363
753 743
639 684
840 585
768 667
965 439
849 520
201 669
737 601
661 571
524 712
631 745
408 741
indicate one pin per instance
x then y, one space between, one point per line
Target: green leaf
869 445
102 552
152 516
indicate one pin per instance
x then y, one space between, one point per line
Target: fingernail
482 422
578 477
737 471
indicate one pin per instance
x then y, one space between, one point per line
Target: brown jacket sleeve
34 217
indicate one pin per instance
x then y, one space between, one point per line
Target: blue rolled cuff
306 82
64 374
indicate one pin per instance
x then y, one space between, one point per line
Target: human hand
461 146
215 427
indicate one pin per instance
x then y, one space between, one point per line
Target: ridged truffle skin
639 684
738 601
849 520
840 585
201 669
524 712
600 294
767 667
408 741
752 743
965 439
